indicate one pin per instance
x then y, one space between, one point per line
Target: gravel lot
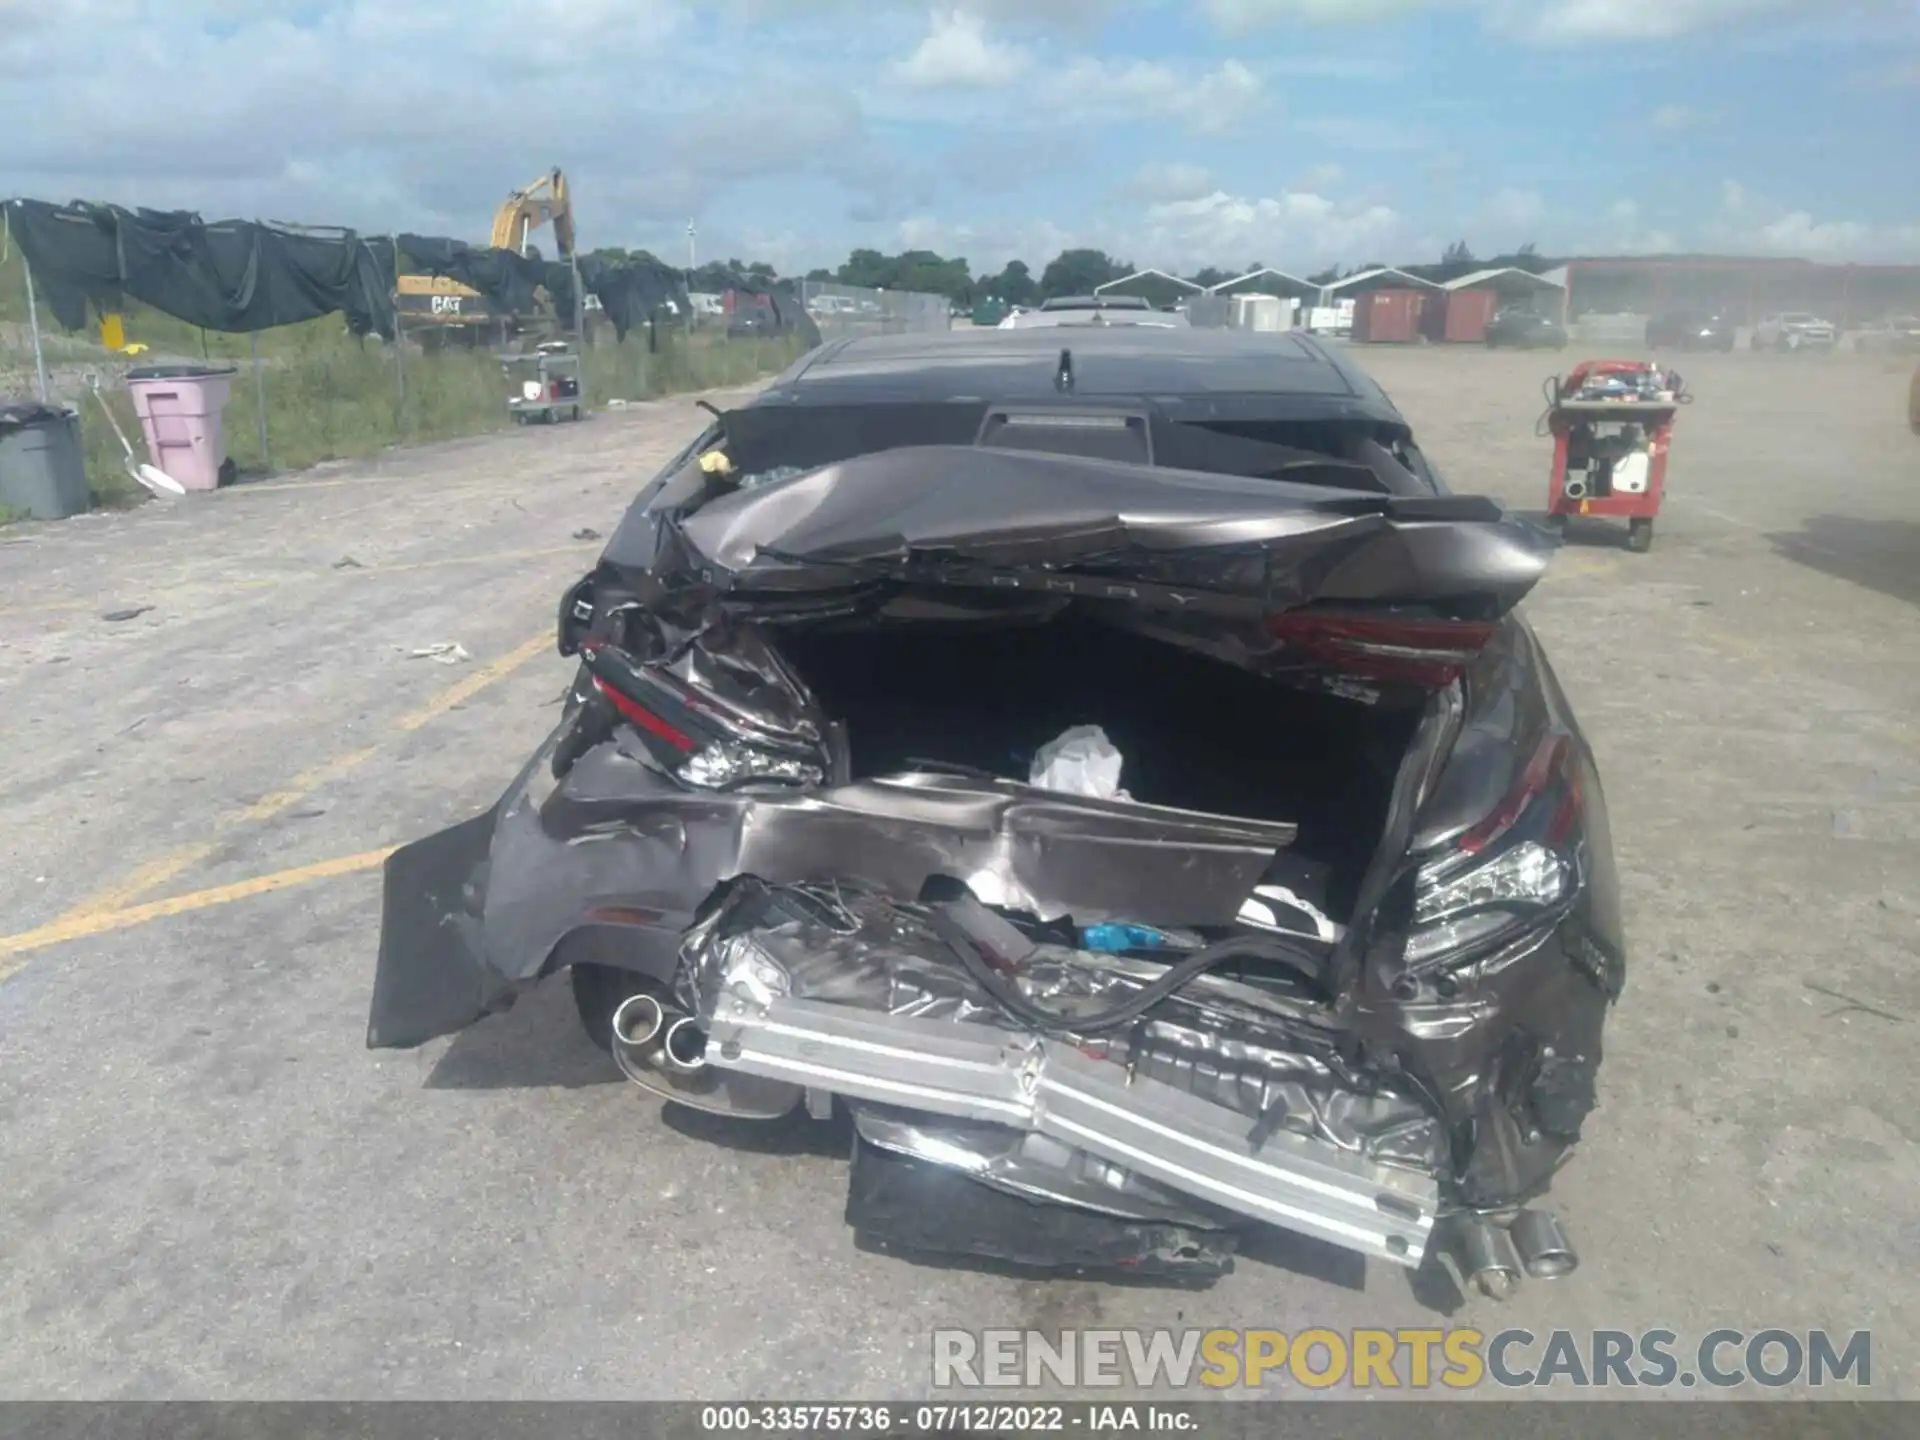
214 1190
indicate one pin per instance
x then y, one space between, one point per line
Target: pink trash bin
181 410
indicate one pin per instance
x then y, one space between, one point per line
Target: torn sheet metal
934 511
475 911
1222 1101
1013 845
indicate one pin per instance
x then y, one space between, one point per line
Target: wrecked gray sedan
1115 775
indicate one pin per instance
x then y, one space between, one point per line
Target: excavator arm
543 202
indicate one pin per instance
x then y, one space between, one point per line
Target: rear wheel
1640 535
598 991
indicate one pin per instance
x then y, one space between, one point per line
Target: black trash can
41 469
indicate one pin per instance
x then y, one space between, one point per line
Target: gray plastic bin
41 471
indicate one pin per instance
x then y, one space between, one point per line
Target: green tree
1077 272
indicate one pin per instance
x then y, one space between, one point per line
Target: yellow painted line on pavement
157 872
262 582
58 932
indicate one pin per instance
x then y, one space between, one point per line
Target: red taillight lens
553 390
1418 652
1548 764
644 718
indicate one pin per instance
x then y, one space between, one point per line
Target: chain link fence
844 310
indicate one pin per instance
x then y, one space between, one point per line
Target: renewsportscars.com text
1458 1358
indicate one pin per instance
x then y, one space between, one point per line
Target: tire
598 991
576 413
1640 535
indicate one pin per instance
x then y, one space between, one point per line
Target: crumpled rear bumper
618 859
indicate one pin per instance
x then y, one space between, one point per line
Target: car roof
1223 373
1096 302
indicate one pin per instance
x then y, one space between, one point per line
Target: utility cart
543 384
1611 423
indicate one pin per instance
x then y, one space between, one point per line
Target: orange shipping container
1388 317
1468 312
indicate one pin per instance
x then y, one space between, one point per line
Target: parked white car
1794 330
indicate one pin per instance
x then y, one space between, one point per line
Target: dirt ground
214 1189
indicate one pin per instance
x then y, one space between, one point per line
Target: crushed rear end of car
1134 854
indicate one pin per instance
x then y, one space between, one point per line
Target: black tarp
631 290
789 312
233 276
238 276
505 279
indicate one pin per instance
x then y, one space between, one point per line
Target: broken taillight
690 735
1413 651
1508 869
639 715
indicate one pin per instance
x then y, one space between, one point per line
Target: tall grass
329 395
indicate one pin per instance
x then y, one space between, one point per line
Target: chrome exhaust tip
638 1022
1543 1245
685 1047
1575 489
1482 1255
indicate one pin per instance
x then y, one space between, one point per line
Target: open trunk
1195 733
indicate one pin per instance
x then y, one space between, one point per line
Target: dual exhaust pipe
648 1033
1485 1255
663 1050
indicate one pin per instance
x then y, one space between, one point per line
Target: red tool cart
1612 423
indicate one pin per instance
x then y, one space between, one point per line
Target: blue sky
1289 132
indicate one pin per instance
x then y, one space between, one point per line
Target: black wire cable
1037 1017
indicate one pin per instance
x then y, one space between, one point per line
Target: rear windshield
770 443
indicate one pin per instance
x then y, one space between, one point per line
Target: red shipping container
1468 312
1388 317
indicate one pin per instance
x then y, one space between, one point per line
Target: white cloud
1093 90
1159 181
1554 22
1249 14
1512 210
956 53
1297 229
1750 222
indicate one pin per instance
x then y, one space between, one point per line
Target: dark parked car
1110 769
1525 330
1690 330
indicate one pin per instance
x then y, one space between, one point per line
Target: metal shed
1472 299
1267 281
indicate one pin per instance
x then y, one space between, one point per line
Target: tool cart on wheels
1612 425
543 385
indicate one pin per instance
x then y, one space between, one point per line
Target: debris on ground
586 532
133 612
347 562
447 652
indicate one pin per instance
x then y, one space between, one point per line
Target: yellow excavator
436 300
